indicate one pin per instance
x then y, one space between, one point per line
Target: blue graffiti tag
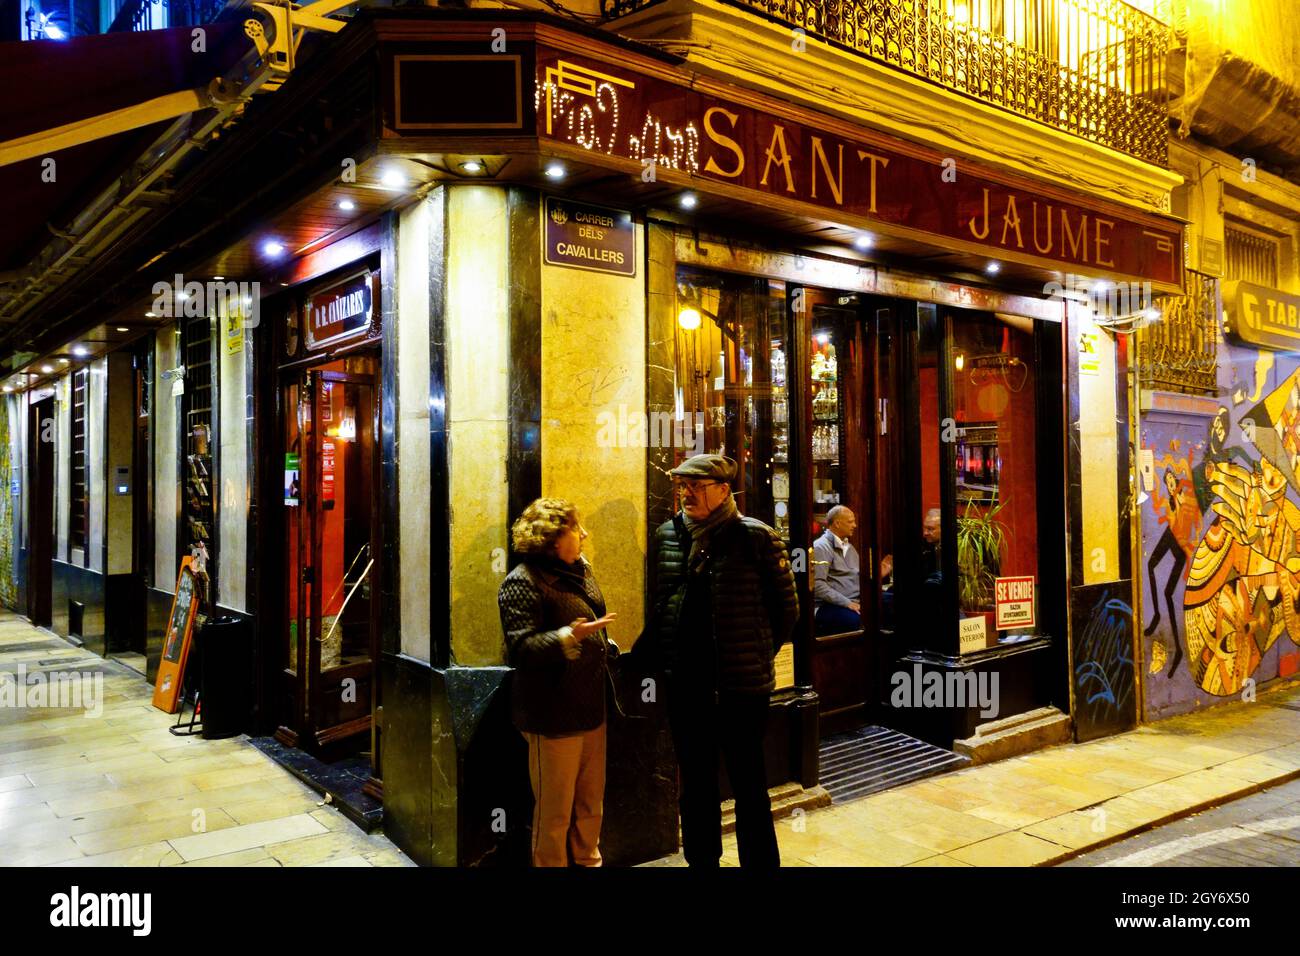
1104 649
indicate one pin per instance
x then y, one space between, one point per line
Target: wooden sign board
176 643
973 633
784 666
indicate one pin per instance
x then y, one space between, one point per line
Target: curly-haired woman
554 620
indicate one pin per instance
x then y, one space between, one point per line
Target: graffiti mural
1221 536
1244 582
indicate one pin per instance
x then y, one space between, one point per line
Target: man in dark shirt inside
931 565
932 533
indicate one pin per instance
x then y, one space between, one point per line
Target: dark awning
55 82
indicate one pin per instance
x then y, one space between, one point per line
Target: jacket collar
550 572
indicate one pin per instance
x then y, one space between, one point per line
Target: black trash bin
226 676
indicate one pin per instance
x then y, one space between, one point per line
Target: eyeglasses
693 487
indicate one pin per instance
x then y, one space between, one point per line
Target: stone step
1015 735
786 798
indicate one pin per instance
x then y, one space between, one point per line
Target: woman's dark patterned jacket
755 604
551 694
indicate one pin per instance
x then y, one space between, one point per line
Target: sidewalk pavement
1046 807
120 790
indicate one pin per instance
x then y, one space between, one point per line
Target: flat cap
717 467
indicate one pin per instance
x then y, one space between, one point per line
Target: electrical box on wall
122 480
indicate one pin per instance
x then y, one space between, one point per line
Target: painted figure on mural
1243 588
1289 424
1217 450
1182 520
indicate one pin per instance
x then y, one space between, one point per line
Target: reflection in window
730 375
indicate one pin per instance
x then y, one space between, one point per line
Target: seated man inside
931 566
835 575
932 535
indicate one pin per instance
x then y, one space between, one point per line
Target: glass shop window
977 392
730 357
994 422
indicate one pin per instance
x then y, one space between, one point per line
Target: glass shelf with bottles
825 400
780 441
780 407
979 463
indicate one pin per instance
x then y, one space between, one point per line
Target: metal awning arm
289 24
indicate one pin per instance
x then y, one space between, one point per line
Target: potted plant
981 540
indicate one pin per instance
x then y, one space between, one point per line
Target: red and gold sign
343 311
671 123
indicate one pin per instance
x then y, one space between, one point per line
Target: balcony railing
137 15
1094 68
1178 352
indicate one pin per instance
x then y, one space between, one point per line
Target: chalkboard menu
176 643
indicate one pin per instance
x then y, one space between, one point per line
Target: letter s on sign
725 141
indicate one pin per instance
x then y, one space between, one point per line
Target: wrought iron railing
1094 68
1178 351
137 15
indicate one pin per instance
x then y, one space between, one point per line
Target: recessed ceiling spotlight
80 351
392 178
272 248
472 166
63 361
689 201
182 296
347 205
219 278
47 369
151 315
554 171
864 241
993 268
123 328
8 388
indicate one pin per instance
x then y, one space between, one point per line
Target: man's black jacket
752 596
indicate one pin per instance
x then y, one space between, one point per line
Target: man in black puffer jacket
724 603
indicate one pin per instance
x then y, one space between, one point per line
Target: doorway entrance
40 511
331 548
853 463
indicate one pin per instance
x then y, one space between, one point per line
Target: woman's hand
580 630
583 629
